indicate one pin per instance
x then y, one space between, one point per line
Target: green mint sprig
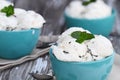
85 3
9 10
82 36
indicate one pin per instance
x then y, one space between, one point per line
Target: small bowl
101 26
16 44
94 70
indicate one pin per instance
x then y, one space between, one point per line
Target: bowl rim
68 16
26 30
75 62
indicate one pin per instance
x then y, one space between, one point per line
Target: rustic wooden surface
42 64
21 72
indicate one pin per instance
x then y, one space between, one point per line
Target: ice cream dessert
12 19
88 9
19 31
79 45
81 55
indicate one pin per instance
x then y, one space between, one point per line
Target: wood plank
21 72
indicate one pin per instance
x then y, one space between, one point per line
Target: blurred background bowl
101 26
94 70
16 44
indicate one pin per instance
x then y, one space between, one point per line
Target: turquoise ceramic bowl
16 44
97 70
101 26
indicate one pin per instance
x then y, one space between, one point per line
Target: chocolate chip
94 59
66 52
80 56
106 56
96 55
69 42
14 15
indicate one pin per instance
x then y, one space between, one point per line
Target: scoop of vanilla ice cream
97 10
94 10
68 32
100 46
11 21
58 52
71 48
4 3
69 44
75 8
19 12
7 22
30 19
67 49
2 21
21 19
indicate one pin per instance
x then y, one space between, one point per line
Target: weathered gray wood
21 72
9 63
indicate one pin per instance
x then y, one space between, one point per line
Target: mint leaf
85 3
82 36
9 10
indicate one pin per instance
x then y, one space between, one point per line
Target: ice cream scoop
69 49
91 59
93 10
15 19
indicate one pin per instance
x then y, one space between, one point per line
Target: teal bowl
101 26
94 70
16 44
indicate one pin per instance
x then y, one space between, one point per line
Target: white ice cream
4 3
21 19
30 19
94 10
67 49
6 22
68 32
100 45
